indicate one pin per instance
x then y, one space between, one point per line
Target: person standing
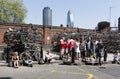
62 47
82 49
66 49
77 50
88 48
99 50
71 50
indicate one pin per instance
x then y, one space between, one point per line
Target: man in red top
66 49
71 46
71 50
62 47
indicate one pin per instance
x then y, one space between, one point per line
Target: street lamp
110 10
110 14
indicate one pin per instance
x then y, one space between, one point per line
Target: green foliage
102 25
12 11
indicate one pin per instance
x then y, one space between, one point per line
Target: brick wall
48 31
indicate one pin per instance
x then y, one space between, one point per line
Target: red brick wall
49 31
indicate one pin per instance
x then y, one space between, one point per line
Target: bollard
105 55
41 52
41 61
73 56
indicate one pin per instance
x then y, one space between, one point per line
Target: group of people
81 49
69 49
25 60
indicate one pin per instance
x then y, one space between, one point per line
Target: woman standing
77 50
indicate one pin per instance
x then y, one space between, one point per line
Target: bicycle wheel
37 55
5 56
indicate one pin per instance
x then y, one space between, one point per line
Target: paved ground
109 57
60 71
57 71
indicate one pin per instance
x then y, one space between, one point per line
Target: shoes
16 67
31 66
61 58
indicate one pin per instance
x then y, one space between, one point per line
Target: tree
61 25
12 11
103 25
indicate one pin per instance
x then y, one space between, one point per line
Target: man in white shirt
48 57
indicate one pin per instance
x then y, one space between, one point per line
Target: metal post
41 52
110 14
43 34
105 54
41 61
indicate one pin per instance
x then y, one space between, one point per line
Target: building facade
47 16
70 20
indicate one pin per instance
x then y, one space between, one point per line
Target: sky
86 13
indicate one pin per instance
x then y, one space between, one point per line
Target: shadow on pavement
5 78
68 63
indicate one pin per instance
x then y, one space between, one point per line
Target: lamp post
110 14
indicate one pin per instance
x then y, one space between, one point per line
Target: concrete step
3 63
1 55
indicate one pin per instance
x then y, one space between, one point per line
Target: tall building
70 20
47 16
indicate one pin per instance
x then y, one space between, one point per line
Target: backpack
81 47
10 64
41 61
100 46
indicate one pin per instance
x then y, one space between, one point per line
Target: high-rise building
70 20
47 16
